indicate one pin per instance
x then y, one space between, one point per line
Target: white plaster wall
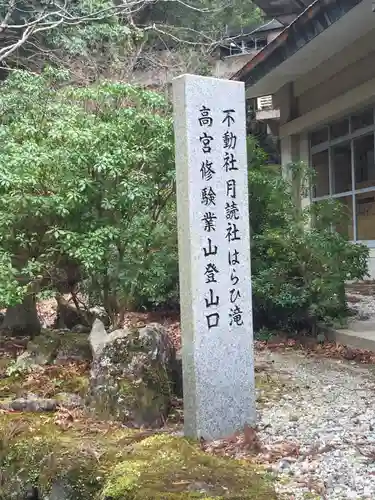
348 78
335 64
225 68
305 157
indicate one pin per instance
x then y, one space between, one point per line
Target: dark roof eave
271 25
277 8
309 24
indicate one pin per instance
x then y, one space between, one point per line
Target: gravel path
327 409
362 305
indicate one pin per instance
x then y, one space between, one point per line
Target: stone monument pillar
214 256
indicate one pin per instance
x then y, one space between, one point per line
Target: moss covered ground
101 460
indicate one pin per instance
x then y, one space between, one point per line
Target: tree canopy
110 32
86 179
87 183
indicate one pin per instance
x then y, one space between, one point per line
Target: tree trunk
22 319
68 315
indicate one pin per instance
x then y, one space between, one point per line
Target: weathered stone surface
31 404
69 401
45 346
60 490
59 347
131 374
80 329
30 359
214 256
177 377
98 338
36 404
73 348
100 313
31 493
53 347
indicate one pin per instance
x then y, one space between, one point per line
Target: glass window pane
320 166
345 226
319 136
339 129
365 212
363 119
364 165
341 168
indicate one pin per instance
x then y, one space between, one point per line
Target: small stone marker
214 256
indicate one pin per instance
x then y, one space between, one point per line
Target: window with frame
342 155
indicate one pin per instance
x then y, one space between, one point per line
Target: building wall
224 68
337 87
333 65
296 148
371 264
348 78
337 75
165 65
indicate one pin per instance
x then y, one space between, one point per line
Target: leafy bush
87 181
298 269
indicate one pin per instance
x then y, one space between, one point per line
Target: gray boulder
131 375
80 329
29 360
73 348
30 404
69 401
100 313
98 338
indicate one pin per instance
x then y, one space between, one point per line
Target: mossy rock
5 361
61 346
131 377
46 344
73 347
168 468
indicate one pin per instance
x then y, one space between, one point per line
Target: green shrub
298 268
87 181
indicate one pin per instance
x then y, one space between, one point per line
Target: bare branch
8 16
167 48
